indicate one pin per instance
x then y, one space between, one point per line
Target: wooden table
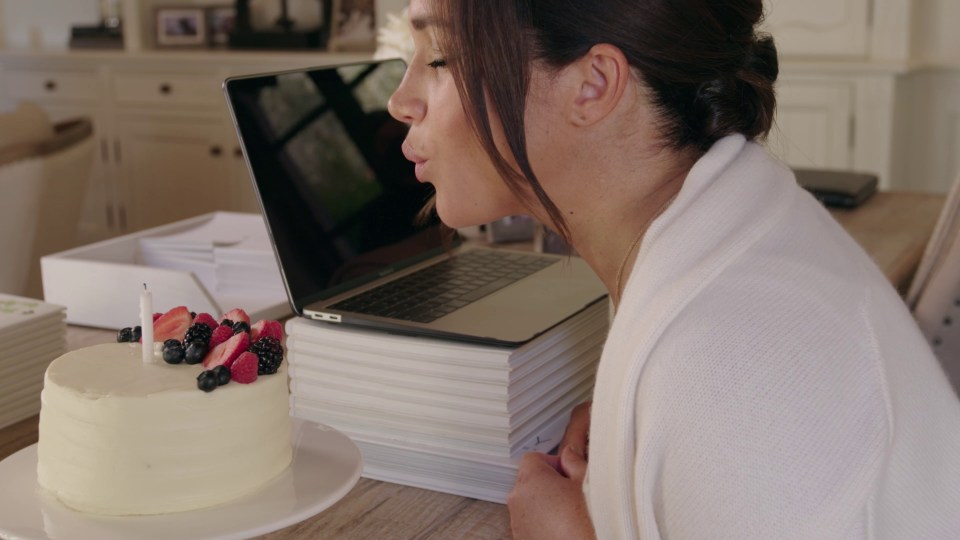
892 227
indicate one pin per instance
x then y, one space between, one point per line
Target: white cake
121 437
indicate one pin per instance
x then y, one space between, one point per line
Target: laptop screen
341 202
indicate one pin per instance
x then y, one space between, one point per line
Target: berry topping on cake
157 316
266 328
125 335
207 381
173 352
228 351
195 352
206 319
198 333
222 373
241 326
136 334
269 354
219 335
172 324
236 315
244 369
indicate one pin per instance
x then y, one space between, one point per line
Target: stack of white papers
32 334
230 255
443 415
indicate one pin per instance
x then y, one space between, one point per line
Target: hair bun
741 101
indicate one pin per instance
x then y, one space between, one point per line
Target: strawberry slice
172 324
236 315
266 328
226 352
206 319
219 335
244 369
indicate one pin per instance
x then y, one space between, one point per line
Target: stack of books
32 334
444 415
230 254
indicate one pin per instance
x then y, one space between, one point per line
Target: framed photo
221 20
183 26
354 25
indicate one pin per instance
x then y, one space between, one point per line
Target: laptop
344 212
843 189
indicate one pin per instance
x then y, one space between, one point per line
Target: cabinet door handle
166 89
237 152
50 85
215 150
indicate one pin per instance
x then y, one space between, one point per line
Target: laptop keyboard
441 289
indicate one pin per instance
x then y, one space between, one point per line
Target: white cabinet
166 148
173 168
838 28
814 124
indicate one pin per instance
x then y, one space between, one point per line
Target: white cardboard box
100 283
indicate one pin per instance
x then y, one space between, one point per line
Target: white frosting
121 437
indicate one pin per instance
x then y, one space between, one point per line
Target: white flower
394 39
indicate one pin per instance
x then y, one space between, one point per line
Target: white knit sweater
763 380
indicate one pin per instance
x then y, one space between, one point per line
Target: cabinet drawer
50 85
153 89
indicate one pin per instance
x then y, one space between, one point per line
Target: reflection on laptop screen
341 201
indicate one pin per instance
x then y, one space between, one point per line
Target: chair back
934 294
43 185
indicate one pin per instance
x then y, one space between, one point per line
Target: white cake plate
326 465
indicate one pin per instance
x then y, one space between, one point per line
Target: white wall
927 138
936 39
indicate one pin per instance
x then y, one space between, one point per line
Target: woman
761 379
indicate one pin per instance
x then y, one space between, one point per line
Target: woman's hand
547 503
577 435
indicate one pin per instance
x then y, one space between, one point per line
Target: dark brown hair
710 74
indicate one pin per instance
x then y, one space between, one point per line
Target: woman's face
441 142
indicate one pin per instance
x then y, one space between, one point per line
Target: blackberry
240 326
198 332
270 354
125 335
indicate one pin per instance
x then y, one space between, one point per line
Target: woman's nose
405 105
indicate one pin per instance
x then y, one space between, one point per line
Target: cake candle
146 325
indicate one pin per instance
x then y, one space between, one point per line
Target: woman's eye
439 63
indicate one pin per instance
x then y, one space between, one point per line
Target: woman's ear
600 78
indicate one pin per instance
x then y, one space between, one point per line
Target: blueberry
137 334
125 335
172 354
226 322
223 374
240 326
195 352
207 381
172 343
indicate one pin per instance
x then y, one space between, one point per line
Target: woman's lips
419 162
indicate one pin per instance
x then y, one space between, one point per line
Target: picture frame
353 26
180 26
221 21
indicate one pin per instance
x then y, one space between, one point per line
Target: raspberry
244 369
206 319
270 355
